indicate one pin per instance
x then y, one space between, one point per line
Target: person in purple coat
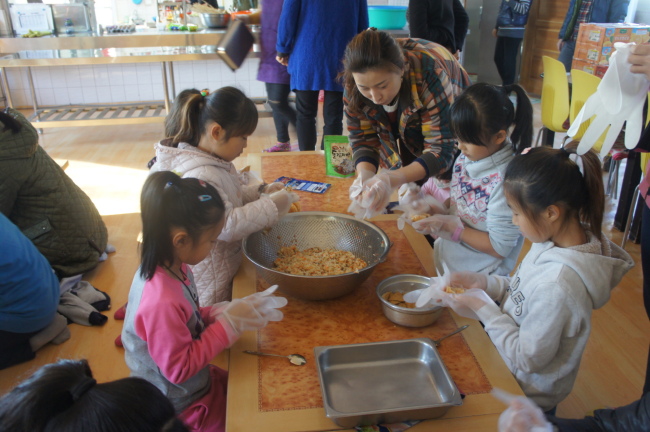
275 76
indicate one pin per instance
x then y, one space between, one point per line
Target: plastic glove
523 415
249 313
413 202
248 177
448 227
283 200
273 187
467 303
376 196
468 280
619 98
363 175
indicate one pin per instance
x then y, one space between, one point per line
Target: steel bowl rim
380 231
409 311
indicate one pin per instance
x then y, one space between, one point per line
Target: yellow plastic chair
555 97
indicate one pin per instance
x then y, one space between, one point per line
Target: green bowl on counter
387 17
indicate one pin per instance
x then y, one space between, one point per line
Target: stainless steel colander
317 229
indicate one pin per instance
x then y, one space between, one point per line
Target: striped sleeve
520 6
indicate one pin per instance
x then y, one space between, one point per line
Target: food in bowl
317 261
295 207
403 315
397 298
454 290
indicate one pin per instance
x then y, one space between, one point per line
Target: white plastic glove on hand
523 415
463 304
283 200
273 187
356 191
413 202
619 98
448 227
249 313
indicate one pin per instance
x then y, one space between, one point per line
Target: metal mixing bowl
317 229
215 20
407 317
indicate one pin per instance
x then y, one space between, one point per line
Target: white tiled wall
117 83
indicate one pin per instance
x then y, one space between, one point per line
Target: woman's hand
639 58
560 44
494 32
284 61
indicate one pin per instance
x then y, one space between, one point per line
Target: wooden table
252 402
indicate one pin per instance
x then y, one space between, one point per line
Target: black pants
307 106
505 58
15 348
283 114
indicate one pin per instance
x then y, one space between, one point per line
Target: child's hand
468 280
283 200
273 187
448 227
523 415
467 303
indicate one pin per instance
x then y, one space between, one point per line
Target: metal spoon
458 330
294 359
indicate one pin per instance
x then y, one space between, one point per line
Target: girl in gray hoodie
540 318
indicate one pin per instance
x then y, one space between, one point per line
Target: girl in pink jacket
170 340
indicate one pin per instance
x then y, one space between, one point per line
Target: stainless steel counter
146 38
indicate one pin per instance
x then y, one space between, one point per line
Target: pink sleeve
205 314
431 188
161 321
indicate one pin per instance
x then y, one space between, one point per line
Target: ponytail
192 111
483 109
544 176
522 134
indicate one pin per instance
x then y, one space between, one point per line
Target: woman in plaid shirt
397 95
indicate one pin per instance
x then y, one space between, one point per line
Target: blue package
304 185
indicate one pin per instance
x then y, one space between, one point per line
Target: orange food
418 217
317 262
397 298
295 207
454 290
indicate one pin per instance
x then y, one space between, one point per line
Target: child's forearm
479 240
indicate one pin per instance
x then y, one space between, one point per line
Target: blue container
387 17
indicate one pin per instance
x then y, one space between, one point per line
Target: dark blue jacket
602 11
29 289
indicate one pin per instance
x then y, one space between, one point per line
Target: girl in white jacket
205 133
540 318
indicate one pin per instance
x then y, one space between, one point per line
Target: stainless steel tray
384 382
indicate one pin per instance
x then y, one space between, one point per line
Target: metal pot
403 316
215 20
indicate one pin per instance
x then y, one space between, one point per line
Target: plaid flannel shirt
434 79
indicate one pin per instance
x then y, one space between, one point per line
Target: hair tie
205 92
82 387
372 28
577 159
526 150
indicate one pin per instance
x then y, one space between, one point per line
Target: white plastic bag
619 98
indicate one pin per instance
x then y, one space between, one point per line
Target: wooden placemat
354 318
334 200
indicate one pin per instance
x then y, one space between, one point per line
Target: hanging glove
249 313
448 227
273 187
283 200
619 98
523 415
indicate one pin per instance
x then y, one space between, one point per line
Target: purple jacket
270 70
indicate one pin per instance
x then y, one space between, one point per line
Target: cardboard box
584 65
595 42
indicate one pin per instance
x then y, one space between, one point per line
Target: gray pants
566 54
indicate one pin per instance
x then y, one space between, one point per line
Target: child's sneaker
279 147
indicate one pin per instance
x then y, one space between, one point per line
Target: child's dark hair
370 49
484 109
169 201
191 112
545 176
64 397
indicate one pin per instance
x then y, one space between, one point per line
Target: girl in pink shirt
169 339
